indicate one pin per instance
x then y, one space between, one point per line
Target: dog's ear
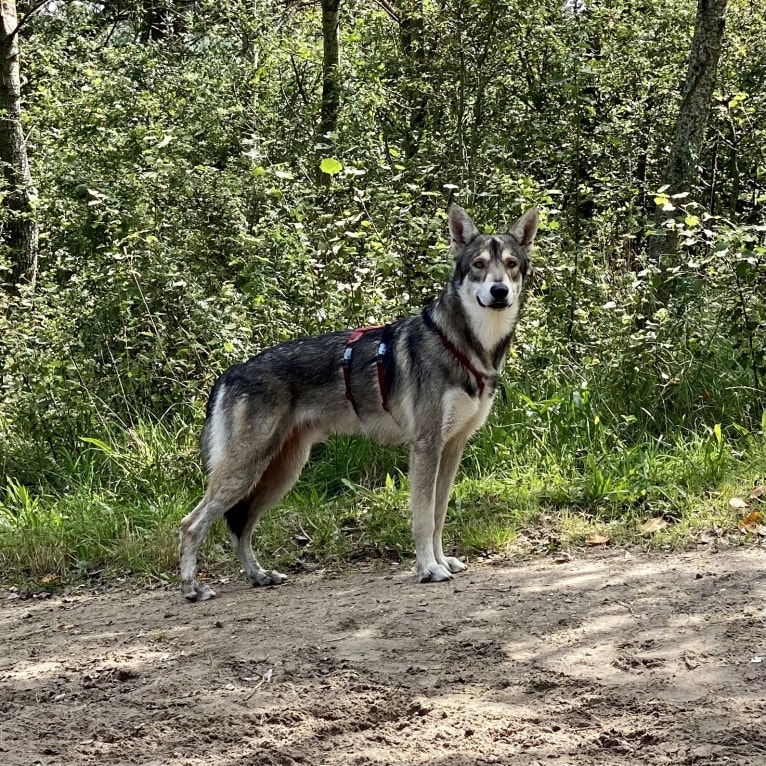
461 228
525 229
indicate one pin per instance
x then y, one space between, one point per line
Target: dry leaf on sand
752 524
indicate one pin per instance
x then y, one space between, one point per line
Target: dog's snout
499 291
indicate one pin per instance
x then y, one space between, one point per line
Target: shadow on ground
619 657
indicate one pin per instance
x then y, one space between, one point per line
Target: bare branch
389 9
28 15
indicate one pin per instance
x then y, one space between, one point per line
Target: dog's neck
482 334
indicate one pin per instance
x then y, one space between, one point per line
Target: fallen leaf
709 536
690 660
751 522
653 525
562 558
49 578
594 538
738 503
758 492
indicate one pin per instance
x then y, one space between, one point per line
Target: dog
427 381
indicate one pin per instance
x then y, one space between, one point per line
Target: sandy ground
614 657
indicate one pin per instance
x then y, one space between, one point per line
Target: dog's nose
499 291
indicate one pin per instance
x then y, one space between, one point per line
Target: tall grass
563 464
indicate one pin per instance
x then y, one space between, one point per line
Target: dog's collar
348 351
481 378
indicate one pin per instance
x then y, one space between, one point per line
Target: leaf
758 492
652 525
562 558
752 524
737 100
103 446
330 166
690 660
594 538
737 503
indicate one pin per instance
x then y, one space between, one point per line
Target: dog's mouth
495 305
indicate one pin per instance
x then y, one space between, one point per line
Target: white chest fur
463 414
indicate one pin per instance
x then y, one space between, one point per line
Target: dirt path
615 658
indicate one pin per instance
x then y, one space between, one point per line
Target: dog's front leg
448 465
424 468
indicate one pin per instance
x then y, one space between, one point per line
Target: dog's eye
480 265
511 263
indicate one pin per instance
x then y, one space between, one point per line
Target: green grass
542 472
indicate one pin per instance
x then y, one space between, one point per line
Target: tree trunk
20 233
330 107
682 170
163 18
411 30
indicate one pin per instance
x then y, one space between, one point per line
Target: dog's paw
453 564
194 591
266 577
434 573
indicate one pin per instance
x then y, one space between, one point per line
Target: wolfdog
427 381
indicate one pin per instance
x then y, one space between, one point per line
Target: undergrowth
541 476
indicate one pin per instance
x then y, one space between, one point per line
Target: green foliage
182 229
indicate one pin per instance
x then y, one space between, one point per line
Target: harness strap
382 349
348 352
481 378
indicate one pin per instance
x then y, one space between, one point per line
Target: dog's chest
462 413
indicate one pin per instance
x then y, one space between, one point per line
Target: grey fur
264 415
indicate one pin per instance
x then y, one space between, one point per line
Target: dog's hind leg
424 468
276 481
448 465
224 491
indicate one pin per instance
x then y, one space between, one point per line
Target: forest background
187 183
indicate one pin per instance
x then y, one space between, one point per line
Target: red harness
348 351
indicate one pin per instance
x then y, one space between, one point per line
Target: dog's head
490 269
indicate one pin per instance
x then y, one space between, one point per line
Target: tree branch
27 16
389 9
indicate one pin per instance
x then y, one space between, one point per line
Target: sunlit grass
561 478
